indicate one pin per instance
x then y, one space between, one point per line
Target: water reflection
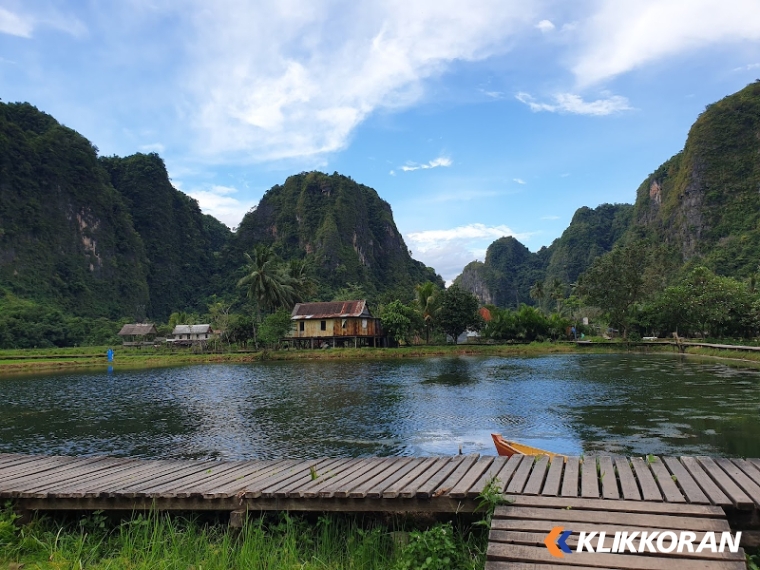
566 403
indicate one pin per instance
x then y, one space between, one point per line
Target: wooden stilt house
337 323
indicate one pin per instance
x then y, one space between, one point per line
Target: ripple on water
566 403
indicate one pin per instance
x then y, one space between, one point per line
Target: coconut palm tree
427 302
268 285
537 292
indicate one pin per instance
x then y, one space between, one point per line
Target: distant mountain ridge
111 237
702 206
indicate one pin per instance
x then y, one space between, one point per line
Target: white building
189 334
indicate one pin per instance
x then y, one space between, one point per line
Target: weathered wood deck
439 484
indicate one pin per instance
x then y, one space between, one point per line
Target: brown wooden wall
334 327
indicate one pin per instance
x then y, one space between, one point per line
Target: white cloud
518 180
15 25
545 26
23 25
273 79
748 67
550 217
448 251
217 202
435 163
571 103
622 36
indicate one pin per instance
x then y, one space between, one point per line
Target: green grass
274 542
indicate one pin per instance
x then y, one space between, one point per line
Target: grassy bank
53 359
271 542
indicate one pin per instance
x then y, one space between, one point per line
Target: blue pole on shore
109 354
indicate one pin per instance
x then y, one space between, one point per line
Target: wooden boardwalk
437 484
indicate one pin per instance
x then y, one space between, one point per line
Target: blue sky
473 119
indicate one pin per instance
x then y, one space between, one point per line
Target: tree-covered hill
344 229
66 235
700 207
182 244
510 269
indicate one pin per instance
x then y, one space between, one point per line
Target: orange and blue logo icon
556 542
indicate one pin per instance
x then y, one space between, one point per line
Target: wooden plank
536 479
490 475
520 477
666 483
283 486
553 477
441 467
589 478
709 511
39 465
425 490
545 526
602 517
627 483
369 468
537 539
504 477
500 565
378 491
740 478
11 459
110 482
447 484
570 479
540 554
52 486
335 473
459 491
255 489
649 489
680 476
748 468
713 492
737 496
187 484
608 478
145 487
421 467
236 487
65 472
237 473
361 491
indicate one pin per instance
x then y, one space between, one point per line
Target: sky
474 120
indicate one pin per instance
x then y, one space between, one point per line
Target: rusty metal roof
138 329
333 309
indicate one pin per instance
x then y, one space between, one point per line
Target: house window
343 323
364 323
323 325
205 336
301 326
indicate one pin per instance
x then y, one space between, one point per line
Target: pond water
570 404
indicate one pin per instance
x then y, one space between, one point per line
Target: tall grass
274 542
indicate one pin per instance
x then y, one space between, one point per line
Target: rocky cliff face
705 201
66 236
474 278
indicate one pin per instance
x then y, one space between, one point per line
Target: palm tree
268 285
427 301
537 292
300 273
557 292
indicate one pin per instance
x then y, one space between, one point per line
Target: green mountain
702 206
182 244
510 269
66 235
705 201
344 228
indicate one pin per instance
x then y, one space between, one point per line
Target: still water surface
571 404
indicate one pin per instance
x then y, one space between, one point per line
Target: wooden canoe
509 448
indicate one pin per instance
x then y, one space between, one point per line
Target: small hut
191 334
138 334
343 323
